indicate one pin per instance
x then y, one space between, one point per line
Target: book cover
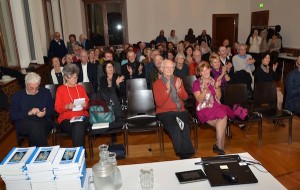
17 156
42 155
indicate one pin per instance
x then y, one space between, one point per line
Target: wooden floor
281 159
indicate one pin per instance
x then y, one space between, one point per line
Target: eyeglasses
72 78
167 67
33 88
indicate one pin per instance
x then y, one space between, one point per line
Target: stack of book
13 168
40 170
69 168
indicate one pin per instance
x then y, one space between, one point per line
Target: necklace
70 93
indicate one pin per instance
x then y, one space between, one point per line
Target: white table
164 176
284 56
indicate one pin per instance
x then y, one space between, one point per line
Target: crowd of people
164 62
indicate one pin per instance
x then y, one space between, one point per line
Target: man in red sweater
169 94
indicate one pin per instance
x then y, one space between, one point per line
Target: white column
19 23
56 16
38 29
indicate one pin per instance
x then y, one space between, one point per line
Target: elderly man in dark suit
57 47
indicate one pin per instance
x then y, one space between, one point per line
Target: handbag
98 114
240 112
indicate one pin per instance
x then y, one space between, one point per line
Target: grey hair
70 70
32 77
165 61
179 55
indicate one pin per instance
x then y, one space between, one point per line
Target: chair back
188 83
265 97
236 94
52 88
87 87
136 84
140 103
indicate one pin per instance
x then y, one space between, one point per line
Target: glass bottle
103 171
117 178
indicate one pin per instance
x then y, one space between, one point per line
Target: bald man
57 47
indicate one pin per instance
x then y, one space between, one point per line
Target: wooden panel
260 18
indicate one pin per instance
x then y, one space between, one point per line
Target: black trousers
75 130
37 130
180 138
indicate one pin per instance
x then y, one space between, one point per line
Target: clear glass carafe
117 178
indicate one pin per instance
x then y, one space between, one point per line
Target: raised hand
178 84
119 79
129 69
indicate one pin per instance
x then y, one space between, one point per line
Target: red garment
192 67
163 100
75 59
63 98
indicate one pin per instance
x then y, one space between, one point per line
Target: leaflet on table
78 102
17 156
42 156
68 156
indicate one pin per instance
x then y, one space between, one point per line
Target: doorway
225 26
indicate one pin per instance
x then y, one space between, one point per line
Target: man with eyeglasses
57 47
32 110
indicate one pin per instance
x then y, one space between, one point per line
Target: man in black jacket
57 47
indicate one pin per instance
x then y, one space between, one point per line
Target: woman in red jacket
64 105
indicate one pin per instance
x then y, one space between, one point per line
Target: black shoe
217 150
185 156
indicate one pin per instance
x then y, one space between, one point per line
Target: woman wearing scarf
207 92
56 76
169 95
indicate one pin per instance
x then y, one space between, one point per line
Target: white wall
73 18
146 18
284 13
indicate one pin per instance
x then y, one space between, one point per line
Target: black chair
141 116
52 88
88 87
115 127
265 102
238 94
136 84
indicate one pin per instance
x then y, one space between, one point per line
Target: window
106 22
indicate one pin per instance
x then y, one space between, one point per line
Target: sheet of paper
78 103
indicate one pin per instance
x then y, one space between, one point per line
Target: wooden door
259 19
225 26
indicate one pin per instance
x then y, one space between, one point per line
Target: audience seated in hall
181 69
190 37
189 55
209 109
71 43
87 71
155 73
64 104
169 94
292 84
132 69
196 61
112 88
55 76
173 38
85 43
31 111
218 71
205 37
57 47
161 37
243 61
226 61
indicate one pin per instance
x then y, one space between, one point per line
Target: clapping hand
129 69
119 80
250 61
178 84
275 66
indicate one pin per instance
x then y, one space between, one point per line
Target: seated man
156 72
196 61
292 83
169 94
31 111
132 69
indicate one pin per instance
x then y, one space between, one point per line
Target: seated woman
32 110
181 69
67 59
205 50
209 109
64 105
266 74
218 71
169 94
112 88
55 76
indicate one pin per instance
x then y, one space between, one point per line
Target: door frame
236 23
